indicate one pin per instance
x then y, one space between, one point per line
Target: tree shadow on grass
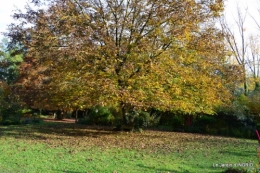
241 153
157 170
39 131
75 130
62 171
161 170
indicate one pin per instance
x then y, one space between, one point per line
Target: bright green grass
70 148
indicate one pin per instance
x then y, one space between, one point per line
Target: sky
8 7
252 12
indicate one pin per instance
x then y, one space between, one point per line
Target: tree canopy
164 54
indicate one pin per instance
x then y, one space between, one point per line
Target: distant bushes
11 115
202 124
98 116
17 116
134 119
224 123
15 121
169 121
11 122
236 120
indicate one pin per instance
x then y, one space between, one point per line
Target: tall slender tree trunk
124 113
257 86
245 88
245 80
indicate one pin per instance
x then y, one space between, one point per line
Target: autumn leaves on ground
72 148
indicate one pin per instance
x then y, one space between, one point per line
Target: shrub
154 120
11 122
258 127
206 120
237 133
98 116
85 120
165 117
135 120
141 119
194 129
203 124
31 121
176 123
223 131
171 120
165 128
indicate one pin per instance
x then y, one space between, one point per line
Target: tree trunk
245 82
76 118
59 115
124 113
257 86
245 88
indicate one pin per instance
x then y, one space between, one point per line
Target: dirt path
65 120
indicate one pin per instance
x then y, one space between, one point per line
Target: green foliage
165 128
11 114
258 126
141 119
10 105
85 120
166 117
239 108
31 121
11 121
135 120
202 124
176 123
26 111
224 125
205 120
167 121
154 120
9 63
254 102
98 116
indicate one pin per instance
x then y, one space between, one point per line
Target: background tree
244 48
9 64
134 54
254 61
9 72
238 44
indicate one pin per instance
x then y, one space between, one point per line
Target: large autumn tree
163 54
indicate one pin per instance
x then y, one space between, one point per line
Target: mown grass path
71 148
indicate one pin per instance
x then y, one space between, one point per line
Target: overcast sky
8 6
6 10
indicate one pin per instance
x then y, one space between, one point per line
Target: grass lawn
71 148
